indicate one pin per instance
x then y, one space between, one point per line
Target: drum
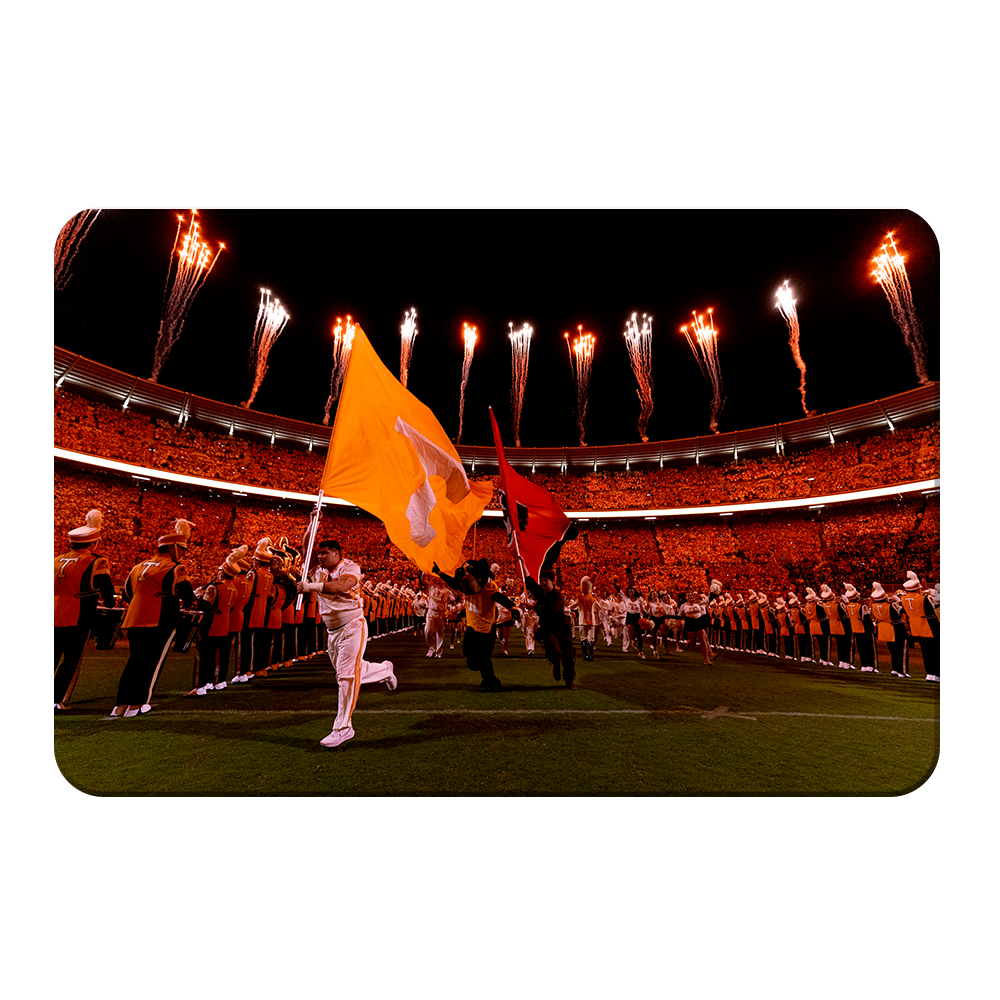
107 627
187 630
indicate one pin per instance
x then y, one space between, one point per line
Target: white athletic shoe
118 711
390 681
131 713
933 677
336 738
221 686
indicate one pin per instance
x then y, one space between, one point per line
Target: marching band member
840 626
583 604
216 601
155 591
82 577
529 621
799 626
243 581
890 626
862 627
922 616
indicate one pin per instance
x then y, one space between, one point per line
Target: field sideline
747 725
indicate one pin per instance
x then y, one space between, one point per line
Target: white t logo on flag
435 462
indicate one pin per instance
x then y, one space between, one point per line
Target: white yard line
717 713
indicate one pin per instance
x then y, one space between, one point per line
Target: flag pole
307 558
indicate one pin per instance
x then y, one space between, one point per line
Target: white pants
434 634
346 648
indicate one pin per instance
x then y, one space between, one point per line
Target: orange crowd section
855 542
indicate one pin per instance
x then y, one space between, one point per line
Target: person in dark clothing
554 626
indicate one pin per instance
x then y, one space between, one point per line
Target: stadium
850 496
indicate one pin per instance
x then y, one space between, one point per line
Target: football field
746 725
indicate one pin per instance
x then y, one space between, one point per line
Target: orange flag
390 456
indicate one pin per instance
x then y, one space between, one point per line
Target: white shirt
338 609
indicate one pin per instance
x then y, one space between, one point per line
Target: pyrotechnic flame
68 243
786 306
640 352
271 320
407 332
703 343
343 341
185 277
469 336
581 357
520 343
890 273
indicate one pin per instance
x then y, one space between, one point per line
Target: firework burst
520 345
640 351
890 273
407 332
703 342
581 358
271 320
189 268
786 306
343 341
469 336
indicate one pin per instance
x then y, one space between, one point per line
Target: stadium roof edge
913 407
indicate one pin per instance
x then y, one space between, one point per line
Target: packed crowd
909 454
769 550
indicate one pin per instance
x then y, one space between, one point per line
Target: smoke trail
68 243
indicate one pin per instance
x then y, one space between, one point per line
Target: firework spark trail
407 332
271 320
68 243
640 352
194 263
890 273
343 341
469 335
703 342
520 344
786 306
581 358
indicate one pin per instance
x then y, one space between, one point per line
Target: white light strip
175 477
582 515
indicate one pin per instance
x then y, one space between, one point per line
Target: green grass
747 725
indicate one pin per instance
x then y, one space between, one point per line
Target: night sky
554 269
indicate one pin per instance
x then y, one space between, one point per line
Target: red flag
534 521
